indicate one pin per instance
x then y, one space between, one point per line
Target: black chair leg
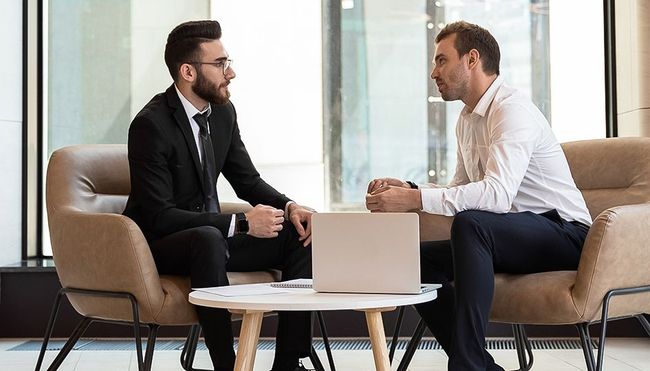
189 349
144 363
398 326
523 347
587 349
69 345
315 361
326 342
136 335
412 346
644 323
529 349
48 329
151 343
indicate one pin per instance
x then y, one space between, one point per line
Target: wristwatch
241 224
411 184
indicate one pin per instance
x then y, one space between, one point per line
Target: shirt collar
190 110
486 99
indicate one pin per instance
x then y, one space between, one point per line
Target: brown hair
184 43
470 36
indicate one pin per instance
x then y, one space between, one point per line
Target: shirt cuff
231 230
432 185
286 209
432 200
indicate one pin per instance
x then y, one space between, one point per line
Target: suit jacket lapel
183 123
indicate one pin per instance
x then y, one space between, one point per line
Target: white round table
253 307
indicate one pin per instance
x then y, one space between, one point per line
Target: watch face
242 226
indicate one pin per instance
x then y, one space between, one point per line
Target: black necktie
210 199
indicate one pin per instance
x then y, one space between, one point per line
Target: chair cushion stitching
139 263
593 268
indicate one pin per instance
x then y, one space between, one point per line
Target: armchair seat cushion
539 298
175 310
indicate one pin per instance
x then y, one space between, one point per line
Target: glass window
386 117
104 63
328 97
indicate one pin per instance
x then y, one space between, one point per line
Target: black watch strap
241 224
411 184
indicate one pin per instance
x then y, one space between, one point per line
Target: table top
299 299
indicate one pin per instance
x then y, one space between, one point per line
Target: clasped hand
392 195
266 222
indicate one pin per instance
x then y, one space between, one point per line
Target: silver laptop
366 253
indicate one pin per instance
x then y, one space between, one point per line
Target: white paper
242 290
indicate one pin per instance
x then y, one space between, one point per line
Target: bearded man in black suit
178 145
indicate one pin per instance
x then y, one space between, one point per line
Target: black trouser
481 245
202 253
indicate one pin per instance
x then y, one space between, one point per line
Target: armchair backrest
610 172
94 246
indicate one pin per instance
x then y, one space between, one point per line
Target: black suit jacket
166 173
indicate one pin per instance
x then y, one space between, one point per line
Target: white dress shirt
508 160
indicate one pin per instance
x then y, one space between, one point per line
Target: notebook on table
365 253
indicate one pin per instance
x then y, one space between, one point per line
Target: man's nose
230 73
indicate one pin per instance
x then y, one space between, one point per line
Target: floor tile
620 355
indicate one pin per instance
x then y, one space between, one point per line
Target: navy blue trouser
482 244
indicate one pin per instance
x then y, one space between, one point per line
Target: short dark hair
470 36
184 42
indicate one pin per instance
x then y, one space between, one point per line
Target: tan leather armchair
102 259
614 177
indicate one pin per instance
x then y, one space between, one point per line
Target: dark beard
209 91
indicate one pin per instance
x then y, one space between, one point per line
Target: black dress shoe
302 368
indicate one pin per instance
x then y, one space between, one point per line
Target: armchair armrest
615 255
107 252
435 227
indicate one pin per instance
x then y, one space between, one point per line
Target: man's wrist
288 209
411 184
417 199
241 223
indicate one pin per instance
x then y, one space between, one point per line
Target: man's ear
187 72
474 58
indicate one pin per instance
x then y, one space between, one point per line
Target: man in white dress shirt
516 206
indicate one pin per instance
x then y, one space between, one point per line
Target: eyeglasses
224 64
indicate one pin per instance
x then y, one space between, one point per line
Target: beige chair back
610 172
94 246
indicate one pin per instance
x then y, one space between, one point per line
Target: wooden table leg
248 337
378 338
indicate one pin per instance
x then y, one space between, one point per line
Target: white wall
577 69
277 53
11 130
632 71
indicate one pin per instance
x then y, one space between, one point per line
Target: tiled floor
620 355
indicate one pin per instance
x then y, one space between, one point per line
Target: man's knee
208 243
289 235
466 222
